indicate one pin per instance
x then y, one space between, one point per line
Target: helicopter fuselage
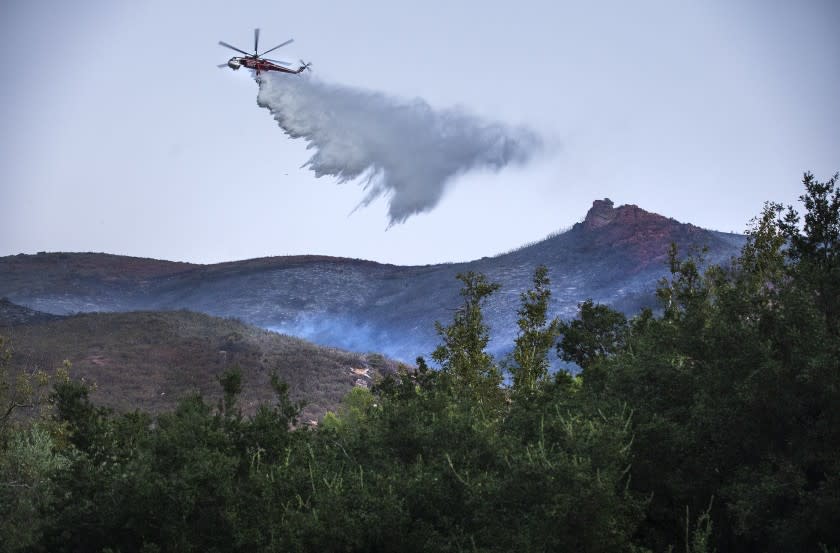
258 65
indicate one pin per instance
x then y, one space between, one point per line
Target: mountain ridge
614 256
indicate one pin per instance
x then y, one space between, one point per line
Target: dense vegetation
711 424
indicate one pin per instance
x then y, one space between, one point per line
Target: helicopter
257 62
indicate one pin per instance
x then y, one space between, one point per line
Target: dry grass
148 360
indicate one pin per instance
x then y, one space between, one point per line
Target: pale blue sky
120 135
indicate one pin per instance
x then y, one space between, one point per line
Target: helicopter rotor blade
291 40
256 40
278 62
226 45
221 65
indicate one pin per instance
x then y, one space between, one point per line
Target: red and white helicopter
257 62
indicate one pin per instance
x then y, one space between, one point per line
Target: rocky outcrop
644 236
600 214
629 216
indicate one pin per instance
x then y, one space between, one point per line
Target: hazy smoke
402 149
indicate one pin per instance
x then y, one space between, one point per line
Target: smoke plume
404 150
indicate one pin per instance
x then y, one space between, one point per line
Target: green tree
28 452
462 354
353 411
24 391
231 382
597 333
28 461
814 249
536 334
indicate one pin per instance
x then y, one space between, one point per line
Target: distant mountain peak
642 236
603 213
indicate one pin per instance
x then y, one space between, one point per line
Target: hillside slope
149 360
614 256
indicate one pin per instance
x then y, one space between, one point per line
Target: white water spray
404 150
